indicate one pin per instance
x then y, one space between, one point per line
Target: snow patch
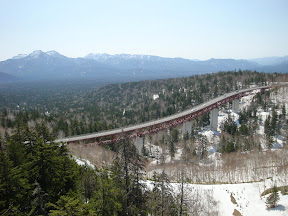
83 162
20 56
155 96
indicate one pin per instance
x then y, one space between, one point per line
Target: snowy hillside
246 197
242 175
227 184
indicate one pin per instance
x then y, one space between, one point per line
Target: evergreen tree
284 111
161 199
273 198
14 187
229 126
172 149
182 196
128 174
88 182
38 201
106 199
16 145
70 205
267 126
274 121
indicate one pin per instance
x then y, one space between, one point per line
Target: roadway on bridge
158 121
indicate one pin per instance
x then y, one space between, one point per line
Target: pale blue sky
181 28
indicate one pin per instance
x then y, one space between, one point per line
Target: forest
41 177
88 107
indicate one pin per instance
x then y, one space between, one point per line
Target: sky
191 29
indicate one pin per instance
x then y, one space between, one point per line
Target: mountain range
52 65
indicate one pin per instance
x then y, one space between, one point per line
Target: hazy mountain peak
36 54
53 53
122 56
20 56
52 65
97 56
133 56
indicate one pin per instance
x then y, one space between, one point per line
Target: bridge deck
212 103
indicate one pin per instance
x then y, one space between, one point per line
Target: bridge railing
131 128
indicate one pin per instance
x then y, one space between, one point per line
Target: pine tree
14 186
274 121
39 201
172 149
182 196
51 166
161 198
106 199
273 198
268 130
16 147
283 111
88 182
70 205
128 174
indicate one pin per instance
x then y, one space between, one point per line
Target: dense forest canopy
70 109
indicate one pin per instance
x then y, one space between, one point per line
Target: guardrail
154 126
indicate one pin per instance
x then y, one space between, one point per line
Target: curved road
195 109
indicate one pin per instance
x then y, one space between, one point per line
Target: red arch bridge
140 130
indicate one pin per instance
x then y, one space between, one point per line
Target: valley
245 155
144 108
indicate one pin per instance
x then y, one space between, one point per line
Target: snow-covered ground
248 198
247 195
215 199
280 98
224 199
212 136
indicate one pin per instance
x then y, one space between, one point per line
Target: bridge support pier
214 119
139 143
187 127
235 105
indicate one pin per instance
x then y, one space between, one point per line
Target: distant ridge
269 61
4 78
40 65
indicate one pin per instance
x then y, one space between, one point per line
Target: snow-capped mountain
54 54
19 56
149 62
104 56
53 65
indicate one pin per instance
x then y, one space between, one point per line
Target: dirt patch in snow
236 213
233 200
